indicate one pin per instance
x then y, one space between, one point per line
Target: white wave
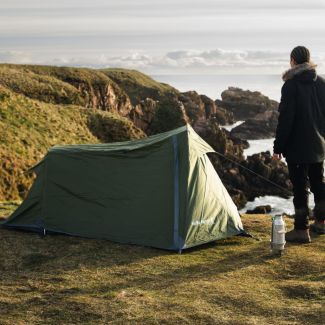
260 145
229 127
279 205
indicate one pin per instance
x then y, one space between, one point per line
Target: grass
28 128
139 86
69 280
63 85
39 86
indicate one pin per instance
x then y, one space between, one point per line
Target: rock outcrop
245 104
258 111
170 114
142 113
262 126
201 107
194 106
260 209
272 171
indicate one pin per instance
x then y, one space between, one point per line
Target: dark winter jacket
301 124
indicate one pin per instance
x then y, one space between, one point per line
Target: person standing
300 140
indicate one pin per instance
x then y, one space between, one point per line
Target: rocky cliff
245 104
41 106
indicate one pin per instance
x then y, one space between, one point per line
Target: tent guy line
256 174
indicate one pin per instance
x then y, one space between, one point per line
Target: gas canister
278 235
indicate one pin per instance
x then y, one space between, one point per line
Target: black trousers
303 176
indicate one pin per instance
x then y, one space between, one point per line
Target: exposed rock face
219 138
262 126
143 113
210 106
201 107
169 114
194 106
223 116
106 97
245 104
275 171
237 140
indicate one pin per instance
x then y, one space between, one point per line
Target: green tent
161 191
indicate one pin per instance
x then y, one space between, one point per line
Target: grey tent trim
177 239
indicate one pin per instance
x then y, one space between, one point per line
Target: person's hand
277 156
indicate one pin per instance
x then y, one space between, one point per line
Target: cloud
208 61
15 57
175 62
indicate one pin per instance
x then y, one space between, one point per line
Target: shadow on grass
34 252
40 269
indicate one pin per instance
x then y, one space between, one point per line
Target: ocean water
213 85
256 146
279 205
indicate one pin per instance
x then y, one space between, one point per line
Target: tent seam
44 195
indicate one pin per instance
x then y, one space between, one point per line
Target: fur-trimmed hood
298 69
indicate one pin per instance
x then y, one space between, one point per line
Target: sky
163 36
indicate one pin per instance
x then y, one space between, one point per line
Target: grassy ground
69 280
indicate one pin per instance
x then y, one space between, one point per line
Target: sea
212 86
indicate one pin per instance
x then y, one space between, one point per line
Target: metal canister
278 234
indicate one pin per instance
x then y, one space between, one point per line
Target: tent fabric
161 191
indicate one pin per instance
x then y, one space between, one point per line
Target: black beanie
300 54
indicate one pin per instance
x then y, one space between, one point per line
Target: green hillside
137 85
68 85
28 128
43 87
64 85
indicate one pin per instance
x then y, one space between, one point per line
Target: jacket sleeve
287 108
